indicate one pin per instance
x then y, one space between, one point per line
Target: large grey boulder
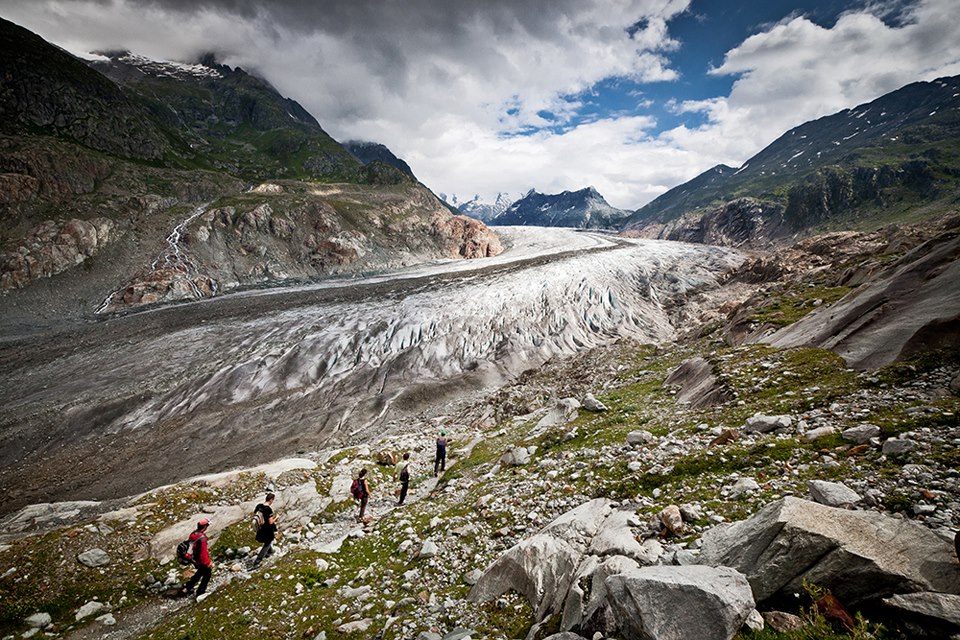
680 603
858 555
587 603
760 423
542 567
515 457
94 558
944 608
564 411
860 434
832 494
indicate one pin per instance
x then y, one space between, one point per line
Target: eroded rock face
564 569
671 603
857 555
295 234
53 247
914 305
542 568
697 385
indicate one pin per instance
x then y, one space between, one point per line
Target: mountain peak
583 209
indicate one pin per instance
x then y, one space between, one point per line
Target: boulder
832 494
94 558
565 635
857 555
542 567
592 404
91 608
742 487
428 550
672 520
819 432
515 457
781 621
616 538
636 438
586 604
760 423
942 608
666 602
697 385
355 626
565 411
861 434
898 446
38 620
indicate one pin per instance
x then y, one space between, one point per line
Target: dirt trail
143 618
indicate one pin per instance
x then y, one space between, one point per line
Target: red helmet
203 523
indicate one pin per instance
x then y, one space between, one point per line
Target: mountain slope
106 187
232 120
367 152
867 163
480 209
583 209
46 90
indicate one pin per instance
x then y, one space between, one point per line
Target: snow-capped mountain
583 209
480 209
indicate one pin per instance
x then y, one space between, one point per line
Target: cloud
449 85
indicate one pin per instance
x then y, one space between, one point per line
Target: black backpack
183 552
405 473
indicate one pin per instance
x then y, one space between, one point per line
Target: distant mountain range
480 209
583 209
864 166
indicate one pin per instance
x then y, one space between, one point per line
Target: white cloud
441 82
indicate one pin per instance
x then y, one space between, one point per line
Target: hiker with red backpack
200 556
265 523
361 493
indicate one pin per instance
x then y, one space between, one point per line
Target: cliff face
294 232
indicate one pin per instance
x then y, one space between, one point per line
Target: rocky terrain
590 495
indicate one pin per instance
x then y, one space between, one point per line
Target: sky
632 97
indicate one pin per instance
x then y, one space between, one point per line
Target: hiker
268 530
201 560
362 494
402 473
440 460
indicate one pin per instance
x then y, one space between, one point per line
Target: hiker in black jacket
267 531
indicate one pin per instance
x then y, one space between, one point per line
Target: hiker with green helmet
440 460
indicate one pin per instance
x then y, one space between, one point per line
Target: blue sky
485 96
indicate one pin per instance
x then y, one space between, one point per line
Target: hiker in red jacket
201 560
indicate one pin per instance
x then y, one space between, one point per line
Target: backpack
257 520
405 473
183 552
356 489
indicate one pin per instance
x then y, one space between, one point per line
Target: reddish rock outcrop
465 237
52 247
